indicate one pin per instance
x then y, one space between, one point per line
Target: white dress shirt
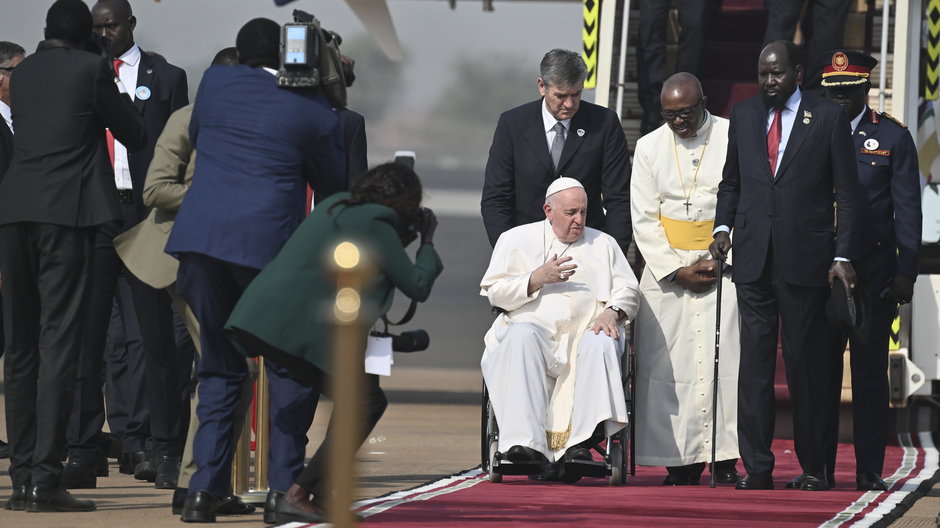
548 121
7 116
787 117
130 62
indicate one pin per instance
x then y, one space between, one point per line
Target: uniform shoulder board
886 115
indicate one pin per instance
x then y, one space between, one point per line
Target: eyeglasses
8 69
670 115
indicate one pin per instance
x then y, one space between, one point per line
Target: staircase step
732 62
738 26
722 94
742 5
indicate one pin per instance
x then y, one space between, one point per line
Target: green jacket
287 311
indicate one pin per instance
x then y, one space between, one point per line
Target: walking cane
719 267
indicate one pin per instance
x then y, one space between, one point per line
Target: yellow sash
688 235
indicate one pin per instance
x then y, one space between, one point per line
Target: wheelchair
617 451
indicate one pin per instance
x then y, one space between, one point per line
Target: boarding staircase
733 43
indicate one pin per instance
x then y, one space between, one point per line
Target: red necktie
117 71
773 141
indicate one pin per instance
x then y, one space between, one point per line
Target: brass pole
348 350
241 461
262 429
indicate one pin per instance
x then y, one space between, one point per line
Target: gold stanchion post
349 346
241 461
253 491
262 430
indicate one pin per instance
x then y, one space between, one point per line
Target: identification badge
142 93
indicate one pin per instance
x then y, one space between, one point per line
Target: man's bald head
683 83
683 104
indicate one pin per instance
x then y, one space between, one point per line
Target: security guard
887 263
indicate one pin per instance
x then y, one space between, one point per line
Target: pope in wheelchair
552 359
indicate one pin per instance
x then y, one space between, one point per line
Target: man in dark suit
887 259
57 189
354 130
259 146
147 384
558 135
10 55
786 252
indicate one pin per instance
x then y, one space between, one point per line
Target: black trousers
147 378
314 477
768 306
694 16
46 271
824 28
869 365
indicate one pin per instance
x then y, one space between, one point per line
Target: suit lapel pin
149 71
142 93
580 132
871 144
862 133
807 115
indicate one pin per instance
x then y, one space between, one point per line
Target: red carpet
470 500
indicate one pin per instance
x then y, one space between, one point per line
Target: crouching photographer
286 312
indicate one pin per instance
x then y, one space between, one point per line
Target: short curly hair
393 185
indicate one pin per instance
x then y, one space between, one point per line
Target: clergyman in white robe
675 328
551 378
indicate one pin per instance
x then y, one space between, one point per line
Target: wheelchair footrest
584 468
505 467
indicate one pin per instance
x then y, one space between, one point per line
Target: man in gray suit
558 135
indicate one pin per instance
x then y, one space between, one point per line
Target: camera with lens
409 341
412 340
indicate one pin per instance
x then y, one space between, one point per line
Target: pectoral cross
687 204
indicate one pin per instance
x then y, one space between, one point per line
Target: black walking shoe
167 473
55 500
200 507
76 475
145 469
270 504
17 501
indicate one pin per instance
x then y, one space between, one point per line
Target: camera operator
259 145
286 312
58 188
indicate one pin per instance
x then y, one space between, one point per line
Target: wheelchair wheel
492 435
618 474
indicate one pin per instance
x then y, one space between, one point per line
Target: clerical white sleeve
645 204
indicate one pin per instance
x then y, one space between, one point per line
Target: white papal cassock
675 328
551 379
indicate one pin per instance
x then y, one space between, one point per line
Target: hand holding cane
719 269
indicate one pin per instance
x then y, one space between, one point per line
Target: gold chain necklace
701 160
